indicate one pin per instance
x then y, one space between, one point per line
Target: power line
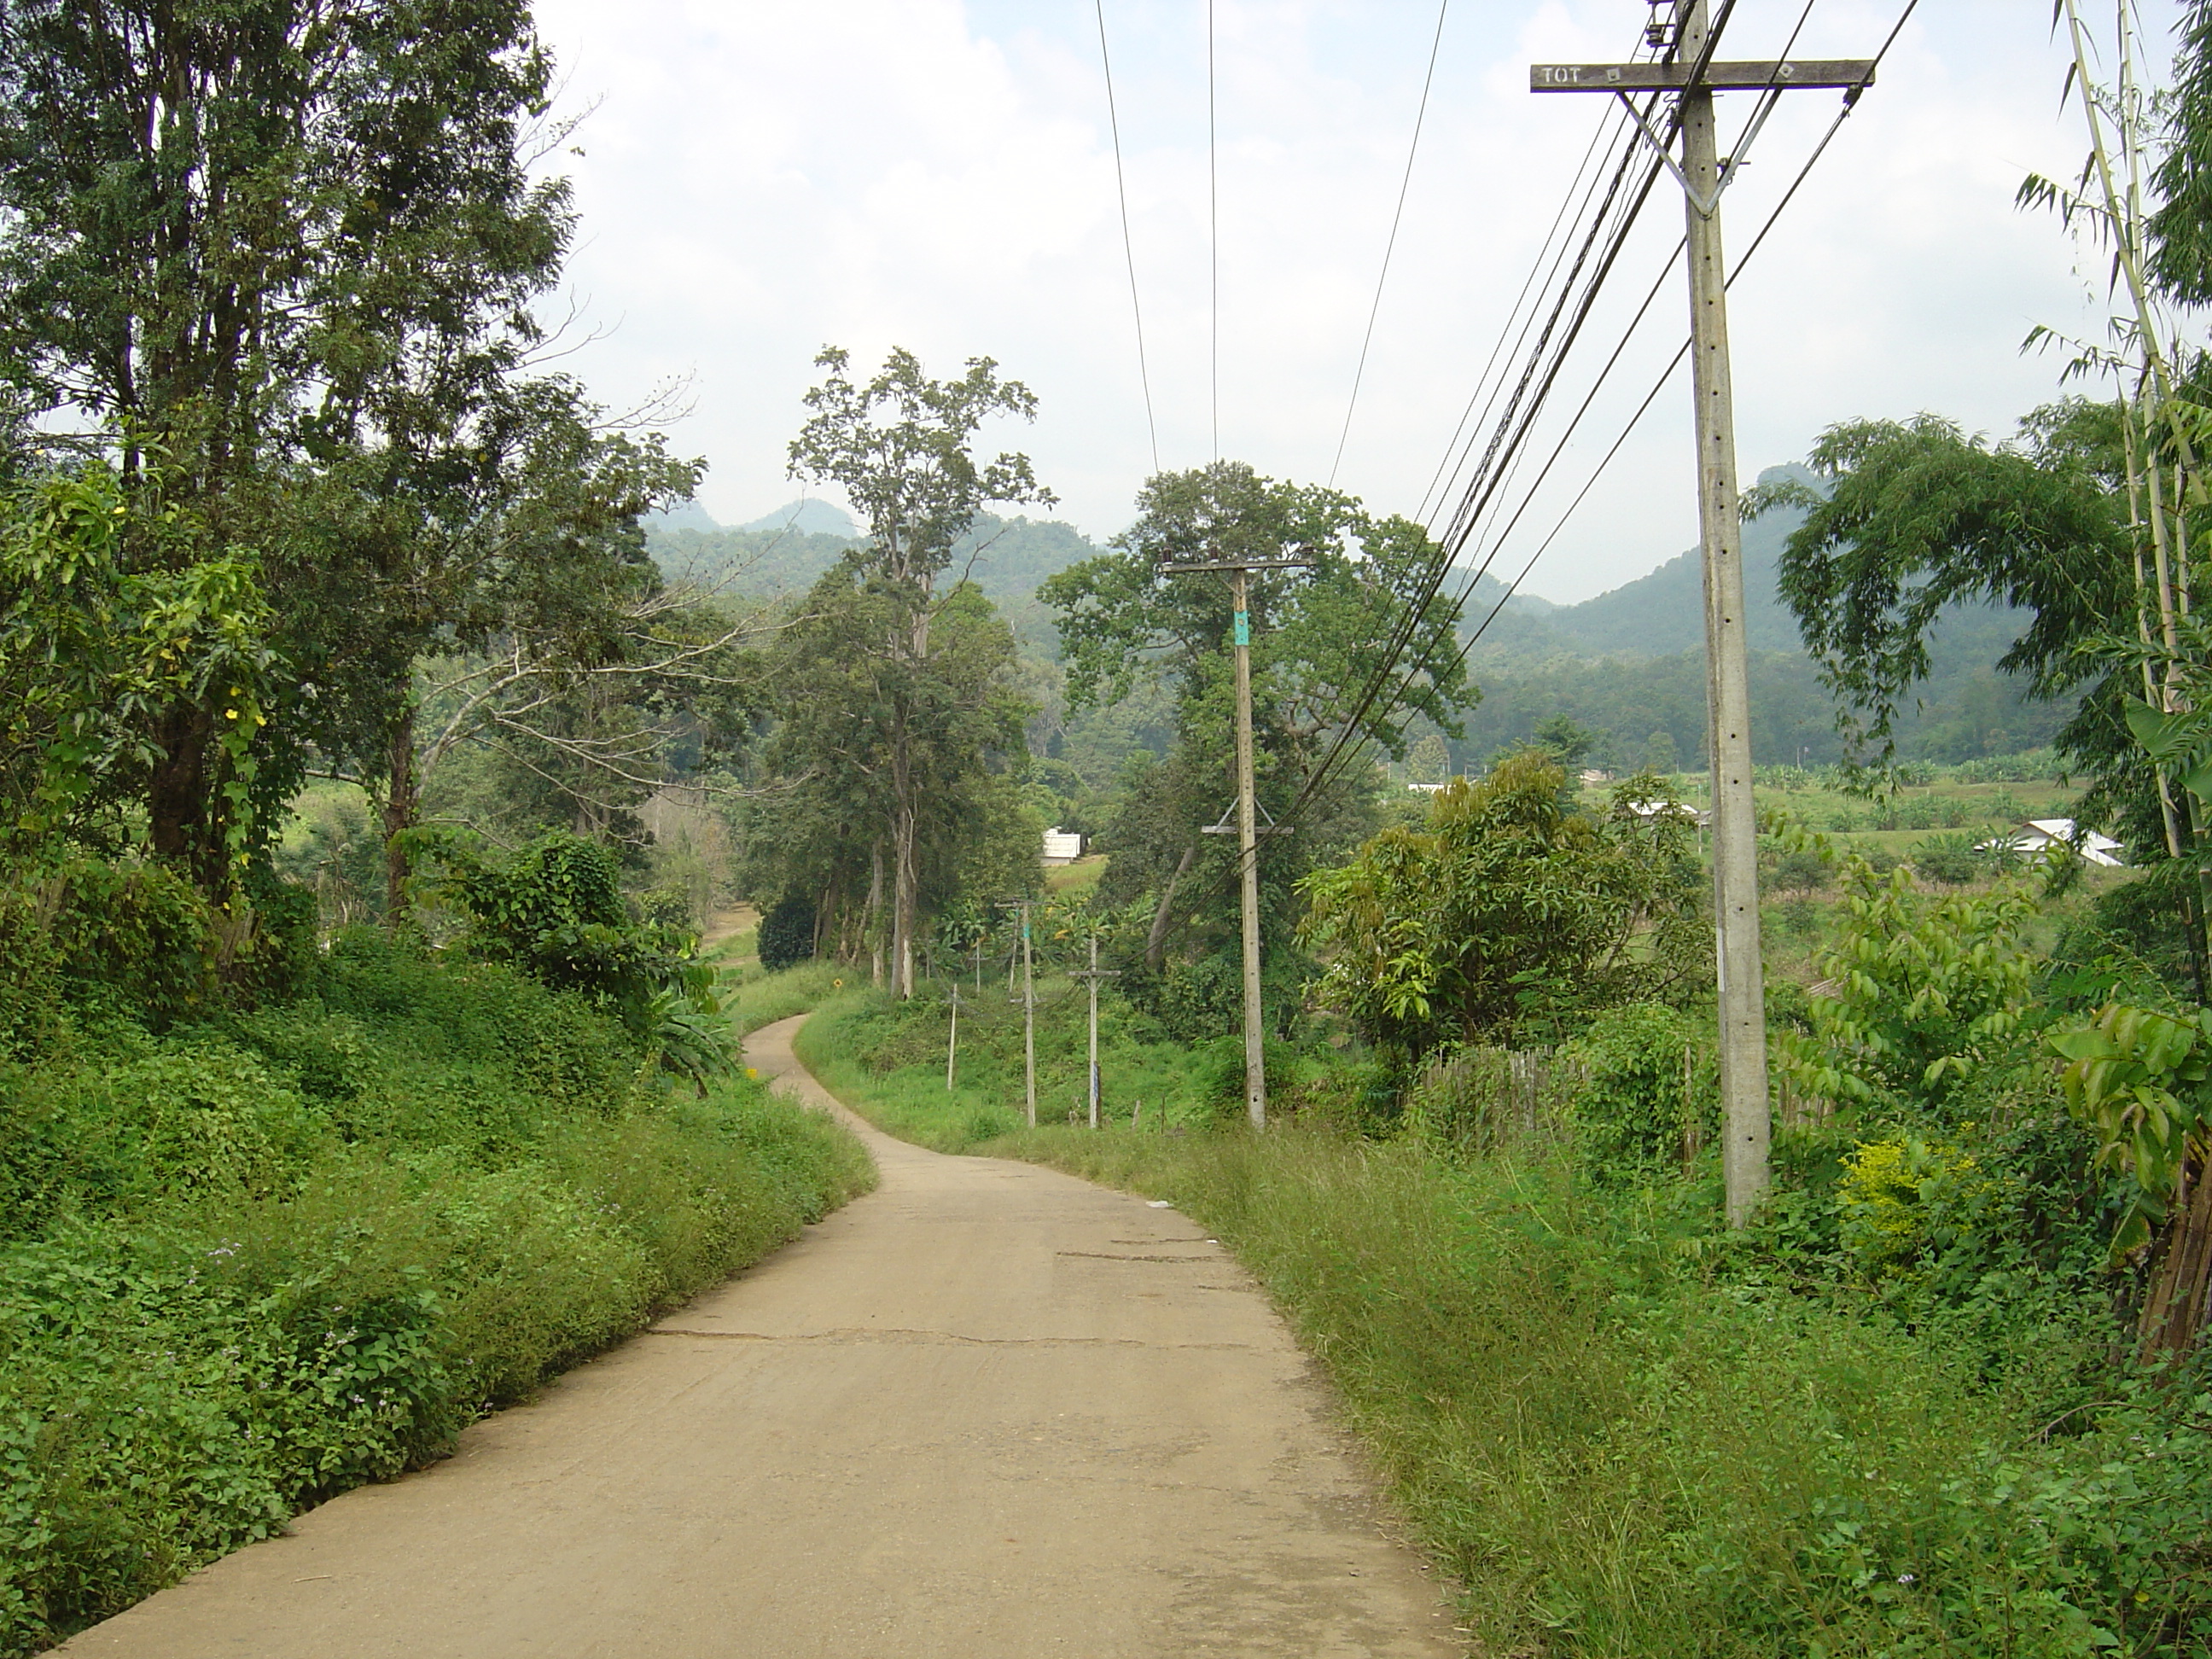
1751 126
1336 757
1214 229
1128 244
1674 363
1337 753
1390 246
1509 433
1620 118
1614 211
1439 485
1850 99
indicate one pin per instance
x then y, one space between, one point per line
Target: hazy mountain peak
684 515
807 516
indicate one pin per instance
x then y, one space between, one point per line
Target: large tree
1318 635
1913 518
853 720
900 445
235 235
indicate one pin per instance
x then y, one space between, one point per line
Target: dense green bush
273 1251
786 933
1952 860
1650 1097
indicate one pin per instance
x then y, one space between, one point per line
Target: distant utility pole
1029 1013
1689 70
953 1038
1248 826
1094 977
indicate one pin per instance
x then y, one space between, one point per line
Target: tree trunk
1156 942
875 939
179 799
906 813
904 899
402 803
2178 1299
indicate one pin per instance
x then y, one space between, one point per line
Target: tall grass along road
989 1410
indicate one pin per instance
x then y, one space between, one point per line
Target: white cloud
760 178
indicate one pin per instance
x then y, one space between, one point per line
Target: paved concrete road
988 1411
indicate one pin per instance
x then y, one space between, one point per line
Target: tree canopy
1509 913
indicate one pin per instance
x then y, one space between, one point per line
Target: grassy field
1076 879
752 998
1889 823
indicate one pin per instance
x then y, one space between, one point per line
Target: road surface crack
903 1336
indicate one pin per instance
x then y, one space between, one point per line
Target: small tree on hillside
1510 913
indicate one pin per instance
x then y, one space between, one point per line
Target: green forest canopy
1626 664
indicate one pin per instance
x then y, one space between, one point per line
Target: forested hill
1629 665
1663 613
783 553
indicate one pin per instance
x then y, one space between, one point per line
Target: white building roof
2039 834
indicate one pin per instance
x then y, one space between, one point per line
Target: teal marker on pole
1243 628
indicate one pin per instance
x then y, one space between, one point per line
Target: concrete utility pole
953 1038
1029 1013
1248 826
1094 977
1687 71
1247 860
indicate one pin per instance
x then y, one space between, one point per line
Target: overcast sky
758 178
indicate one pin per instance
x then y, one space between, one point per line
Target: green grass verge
249 1263
890 1055
752 997
1627 1438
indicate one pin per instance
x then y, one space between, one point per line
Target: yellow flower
230 714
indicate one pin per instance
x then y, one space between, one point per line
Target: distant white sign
1062 845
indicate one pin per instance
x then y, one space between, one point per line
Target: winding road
988 1411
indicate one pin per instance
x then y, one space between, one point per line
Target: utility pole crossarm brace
1228 565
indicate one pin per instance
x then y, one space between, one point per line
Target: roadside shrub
1928 992
1193 1001
30 1004
135 937
1888 1191
1651 1097
786 933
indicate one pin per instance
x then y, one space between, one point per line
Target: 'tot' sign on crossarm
1720 77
